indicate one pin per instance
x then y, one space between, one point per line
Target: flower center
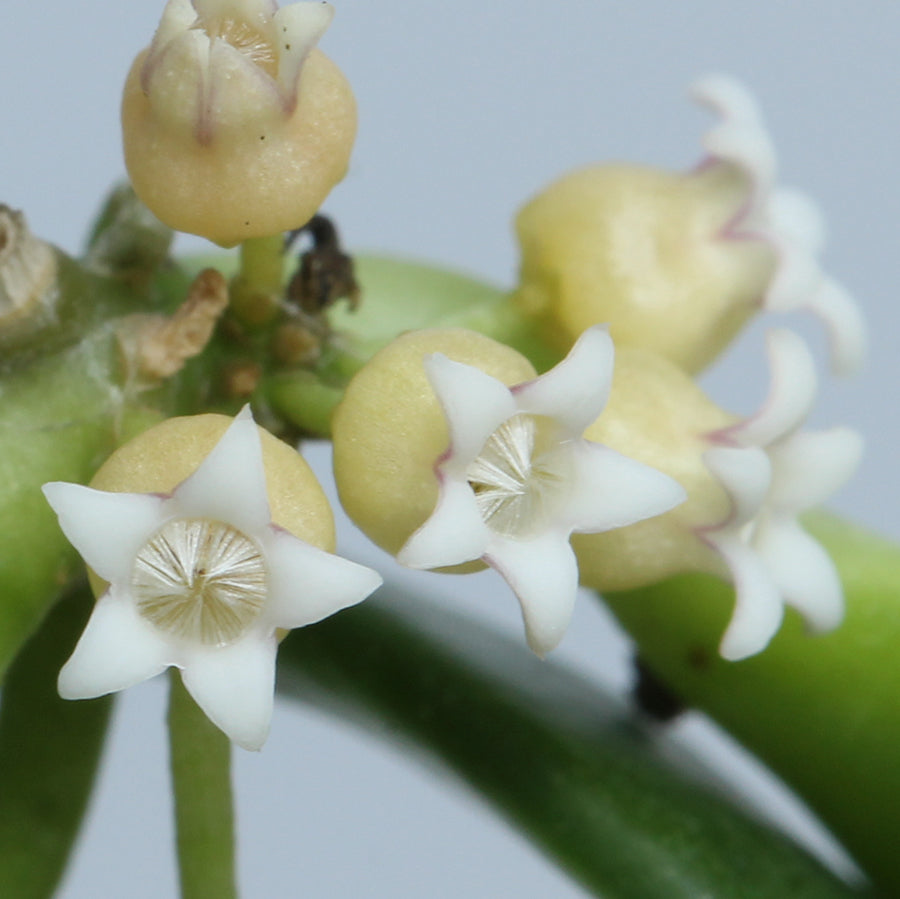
243 36
200 579
516 478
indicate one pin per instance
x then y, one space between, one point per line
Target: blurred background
466 109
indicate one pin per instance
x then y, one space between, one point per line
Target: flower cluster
611 469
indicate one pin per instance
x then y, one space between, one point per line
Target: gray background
466 109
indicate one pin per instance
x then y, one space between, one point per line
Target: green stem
558 757
256 290
204 817
821 711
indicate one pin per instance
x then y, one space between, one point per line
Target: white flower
785 218
774 471
200 579
518 479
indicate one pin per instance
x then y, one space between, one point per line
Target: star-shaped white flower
518 478
774 471
786 219
200 579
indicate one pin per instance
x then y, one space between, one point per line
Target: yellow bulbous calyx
234 125
657 415
389 431
646 251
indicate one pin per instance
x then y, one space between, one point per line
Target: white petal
234 686
846 326
758 608
253 12
230 484
117 650
475 405
177 17
803 573
740 138
810 466
307 584
544 575
791 394
575 391
107 529
797 218
610 490
746 474
454 533
298 28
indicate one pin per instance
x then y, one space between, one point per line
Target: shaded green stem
49 755
257 288
204 816
551 751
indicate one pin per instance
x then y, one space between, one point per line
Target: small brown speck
698 658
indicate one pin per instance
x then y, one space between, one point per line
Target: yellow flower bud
647 252
657 415
234 125
389 430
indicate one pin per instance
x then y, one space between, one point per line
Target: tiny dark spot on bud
246 223
287 46
262 137
698 658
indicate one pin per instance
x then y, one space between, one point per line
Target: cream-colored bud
647 252
389 430
235 126
657 415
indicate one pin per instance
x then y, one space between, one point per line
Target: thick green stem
256 290
204 816
821 711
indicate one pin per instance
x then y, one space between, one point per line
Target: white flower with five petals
774 471
200 579
788 220
518 478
